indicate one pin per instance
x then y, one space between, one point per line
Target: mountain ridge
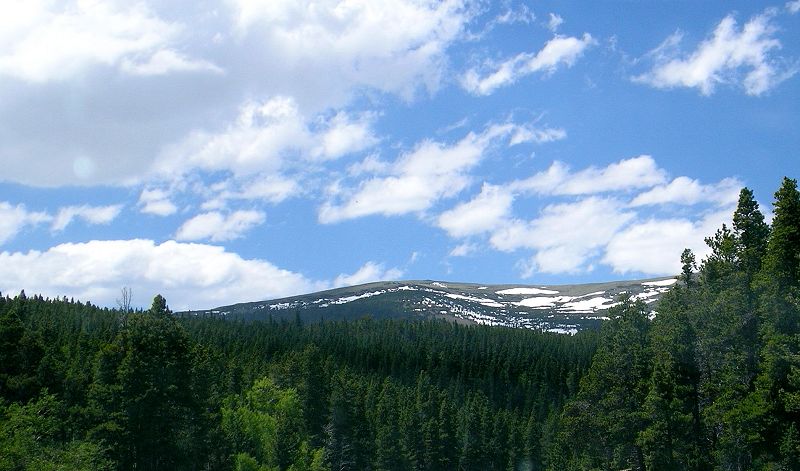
566 308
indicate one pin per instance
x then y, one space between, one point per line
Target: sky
238 150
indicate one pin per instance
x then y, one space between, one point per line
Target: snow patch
526 291
543 301
589 304
348 299
561 330
483 301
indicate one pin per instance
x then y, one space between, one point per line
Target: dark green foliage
751 233
688 267
600 426
35 437
782 261
146 390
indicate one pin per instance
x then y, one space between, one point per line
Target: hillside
560 308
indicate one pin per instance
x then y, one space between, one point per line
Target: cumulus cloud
135 85
156 201
601 226
89 214
432 171
732 55
654 245
266 137
793 6
688 191
56 41
483 213
14 219
188 275
217 227
557 52
395 46
369 272
565 235
627 174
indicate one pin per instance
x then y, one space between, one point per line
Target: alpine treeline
711 382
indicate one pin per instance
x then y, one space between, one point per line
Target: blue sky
227 151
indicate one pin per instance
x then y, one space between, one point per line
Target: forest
711 382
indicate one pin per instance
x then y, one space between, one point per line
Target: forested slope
101 389
713 382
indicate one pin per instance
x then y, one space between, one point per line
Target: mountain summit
559 308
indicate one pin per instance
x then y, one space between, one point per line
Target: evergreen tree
751 233
688 267
605 419
672 438
777 391
150 384
782 261
33 438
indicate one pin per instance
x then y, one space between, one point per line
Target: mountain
560 308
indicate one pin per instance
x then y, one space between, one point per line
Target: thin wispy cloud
744 57
561 51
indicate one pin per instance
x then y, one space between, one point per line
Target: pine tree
778 385
688 267
751 233
782 262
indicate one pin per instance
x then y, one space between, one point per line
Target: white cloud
688 191
462 250
559 259
369 272
627 174
732 55
559 51
429 173
14 219
90 214
793 6
335 47
522 14
188 275
166 61
654 246
537 135
554 22
42 41
344 136
265 188
565 235
574 236
418 179
481 214
371 164
157 202
266 137
217 227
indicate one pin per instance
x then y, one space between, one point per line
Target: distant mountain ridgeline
562 308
